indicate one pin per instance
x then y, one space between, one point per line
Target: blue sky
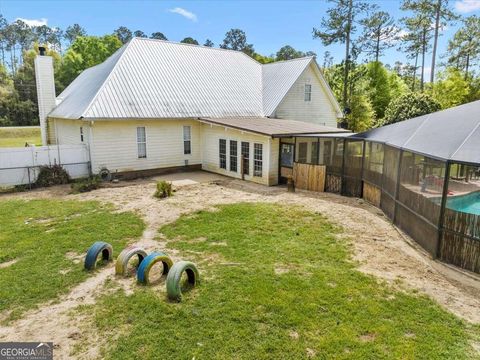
268 24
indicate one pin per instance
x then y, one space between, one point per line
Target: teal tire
143 270
92 254
174 287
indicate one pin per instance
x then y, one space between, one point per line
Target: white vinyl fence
20 166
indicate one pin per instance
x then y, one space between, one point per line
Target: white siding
211 135
114 145
319 110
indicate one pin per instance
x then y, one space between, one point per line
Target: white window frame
187 140
222 156
308 92
81 134
257 160
233 155
141 142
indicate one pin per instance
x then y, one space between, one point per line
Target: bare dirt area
380 249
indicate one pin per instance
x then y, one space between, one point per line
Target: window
257 159
286 157
233 155
246 157
187 140
222 153
308 92
81 133
314 153
141 142
302 152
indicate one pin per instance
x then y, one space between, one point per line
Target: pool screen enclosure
424 173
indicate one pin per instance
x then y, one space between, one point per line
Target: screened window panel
302 152
314 153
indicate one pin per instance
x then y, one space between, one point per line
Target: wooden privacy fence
309 177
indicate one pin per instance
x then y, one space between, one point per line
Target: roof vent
42 50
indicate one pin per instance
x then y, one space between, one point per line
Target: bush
408 106
86 185
164 189
52 175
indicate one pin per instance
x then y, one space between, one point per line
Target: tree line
371 93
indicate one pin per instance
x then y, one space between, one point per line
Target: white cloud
34 22
467 6
185 13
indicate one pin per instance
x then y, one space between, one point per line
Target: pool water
469 203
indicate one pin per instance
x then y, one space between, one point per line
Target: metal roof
272 127
149 78
452 134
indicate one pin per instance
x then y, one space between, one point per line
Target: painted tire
174 276
125 256
92 254
143 270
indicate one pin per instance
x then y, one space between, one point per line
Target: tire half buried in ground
125 256
143 271
174 277
92 254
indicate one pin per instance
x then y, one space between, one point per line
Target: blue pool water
469 203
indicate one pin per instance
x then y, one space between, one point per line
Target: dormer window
308 92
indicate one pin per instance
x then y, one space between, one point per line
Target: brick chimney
45 89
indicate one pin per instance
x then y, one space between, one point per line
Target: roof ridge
114 67
289 60
475 128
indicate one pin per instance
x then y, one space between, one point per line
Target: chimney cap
42 50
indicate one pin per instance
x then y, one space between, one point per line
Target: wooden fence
309 177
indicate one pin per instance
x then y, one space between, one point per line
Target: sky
269 25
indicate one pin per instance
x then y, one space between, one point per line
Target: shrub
409 106
86 185
164 189
52 175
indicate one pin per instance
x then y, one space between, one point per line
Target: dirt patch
367 337
379 248
7 263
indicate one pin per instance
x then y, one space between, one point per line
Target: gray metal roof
272 127
159 79
452 134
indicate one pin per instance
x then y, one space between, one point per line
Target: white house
160 106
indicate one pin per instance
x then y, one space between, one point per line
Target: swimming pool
469 203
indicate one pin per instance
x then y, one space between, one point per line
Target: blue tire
92 254
143 270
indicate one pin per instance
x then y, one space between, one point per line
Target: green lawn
44 237
17 137
278 283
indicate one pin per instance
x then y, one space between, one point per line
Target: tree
438 14
189 40
263 59
236 39
410 105
140 34
451 89
124 34
379 34
377 87
287 53
158 36
464 48
339 27
85 52
208 43
3 39
361 113
74 31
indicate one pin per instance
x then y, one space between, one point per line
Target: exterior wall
211 160
319 110
114 145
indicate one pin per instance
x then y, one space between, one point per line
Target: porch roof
273 127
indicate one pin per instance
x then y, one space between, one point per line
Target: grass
277 283
37 235
18 136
